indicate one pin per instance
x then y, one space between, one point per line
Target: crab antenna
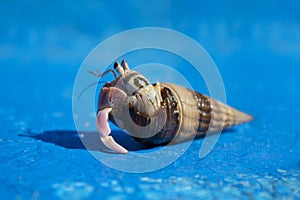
88 87
99 74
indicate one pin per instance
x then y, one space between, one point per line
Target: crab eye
119 68
125 66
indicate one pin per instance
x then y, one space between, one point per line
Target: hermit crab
160 113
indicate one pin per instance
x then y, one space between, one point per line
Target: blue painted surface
256 47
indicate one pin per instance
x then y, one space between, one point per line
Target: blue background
256 46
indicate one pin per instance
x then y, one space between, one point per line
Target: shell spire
229 115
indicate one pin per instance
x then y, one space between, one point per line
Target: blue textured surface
256 47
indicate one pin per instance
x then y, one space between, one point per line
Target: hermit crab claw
104 131
109 96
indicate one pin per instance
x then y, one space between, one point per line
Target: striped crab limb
105 101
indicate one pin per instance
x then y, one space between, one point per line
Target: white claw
102 122
104 131
110 143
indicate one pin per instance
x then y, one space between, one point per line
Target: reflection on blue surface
256 46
